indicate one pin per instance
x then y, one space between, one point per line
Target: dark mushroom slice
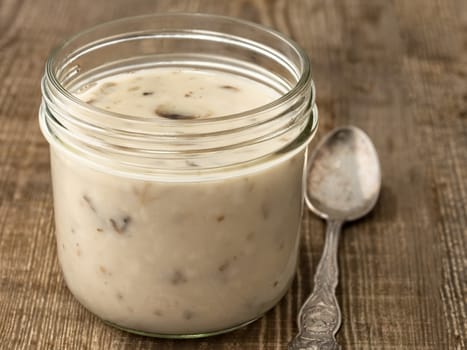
89 202
229 87
120 226
164 113
174 112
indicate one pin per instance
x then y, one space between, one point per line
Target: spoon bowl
344 176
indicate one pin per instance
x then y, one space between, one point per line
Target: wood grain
398 69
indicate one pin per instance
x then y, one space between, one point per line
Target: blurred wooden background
397 69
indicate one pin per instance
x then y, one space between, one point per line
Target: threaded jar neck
161 147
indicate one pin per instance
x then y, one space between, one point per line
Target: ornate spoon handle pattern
320 317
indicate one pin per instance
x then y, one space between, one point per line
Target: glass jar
178 228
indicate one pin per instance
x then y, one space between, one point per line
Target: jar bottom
184 336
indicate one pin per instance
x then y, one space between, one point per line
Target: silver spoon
343 184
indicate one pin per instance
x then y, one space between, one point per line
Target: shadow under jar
178 227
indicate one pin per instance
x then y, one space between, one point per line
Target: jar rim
303 82
226 143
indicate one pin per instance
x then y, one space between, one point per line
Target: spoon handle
320 317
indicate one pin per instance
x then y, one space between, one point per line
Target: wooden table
398 69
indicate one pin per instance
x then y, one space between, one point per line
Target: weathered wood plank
398 69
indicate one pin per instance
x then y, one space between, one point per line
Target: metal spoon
343 184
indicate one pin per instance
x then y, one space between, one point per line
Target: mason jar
178 228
